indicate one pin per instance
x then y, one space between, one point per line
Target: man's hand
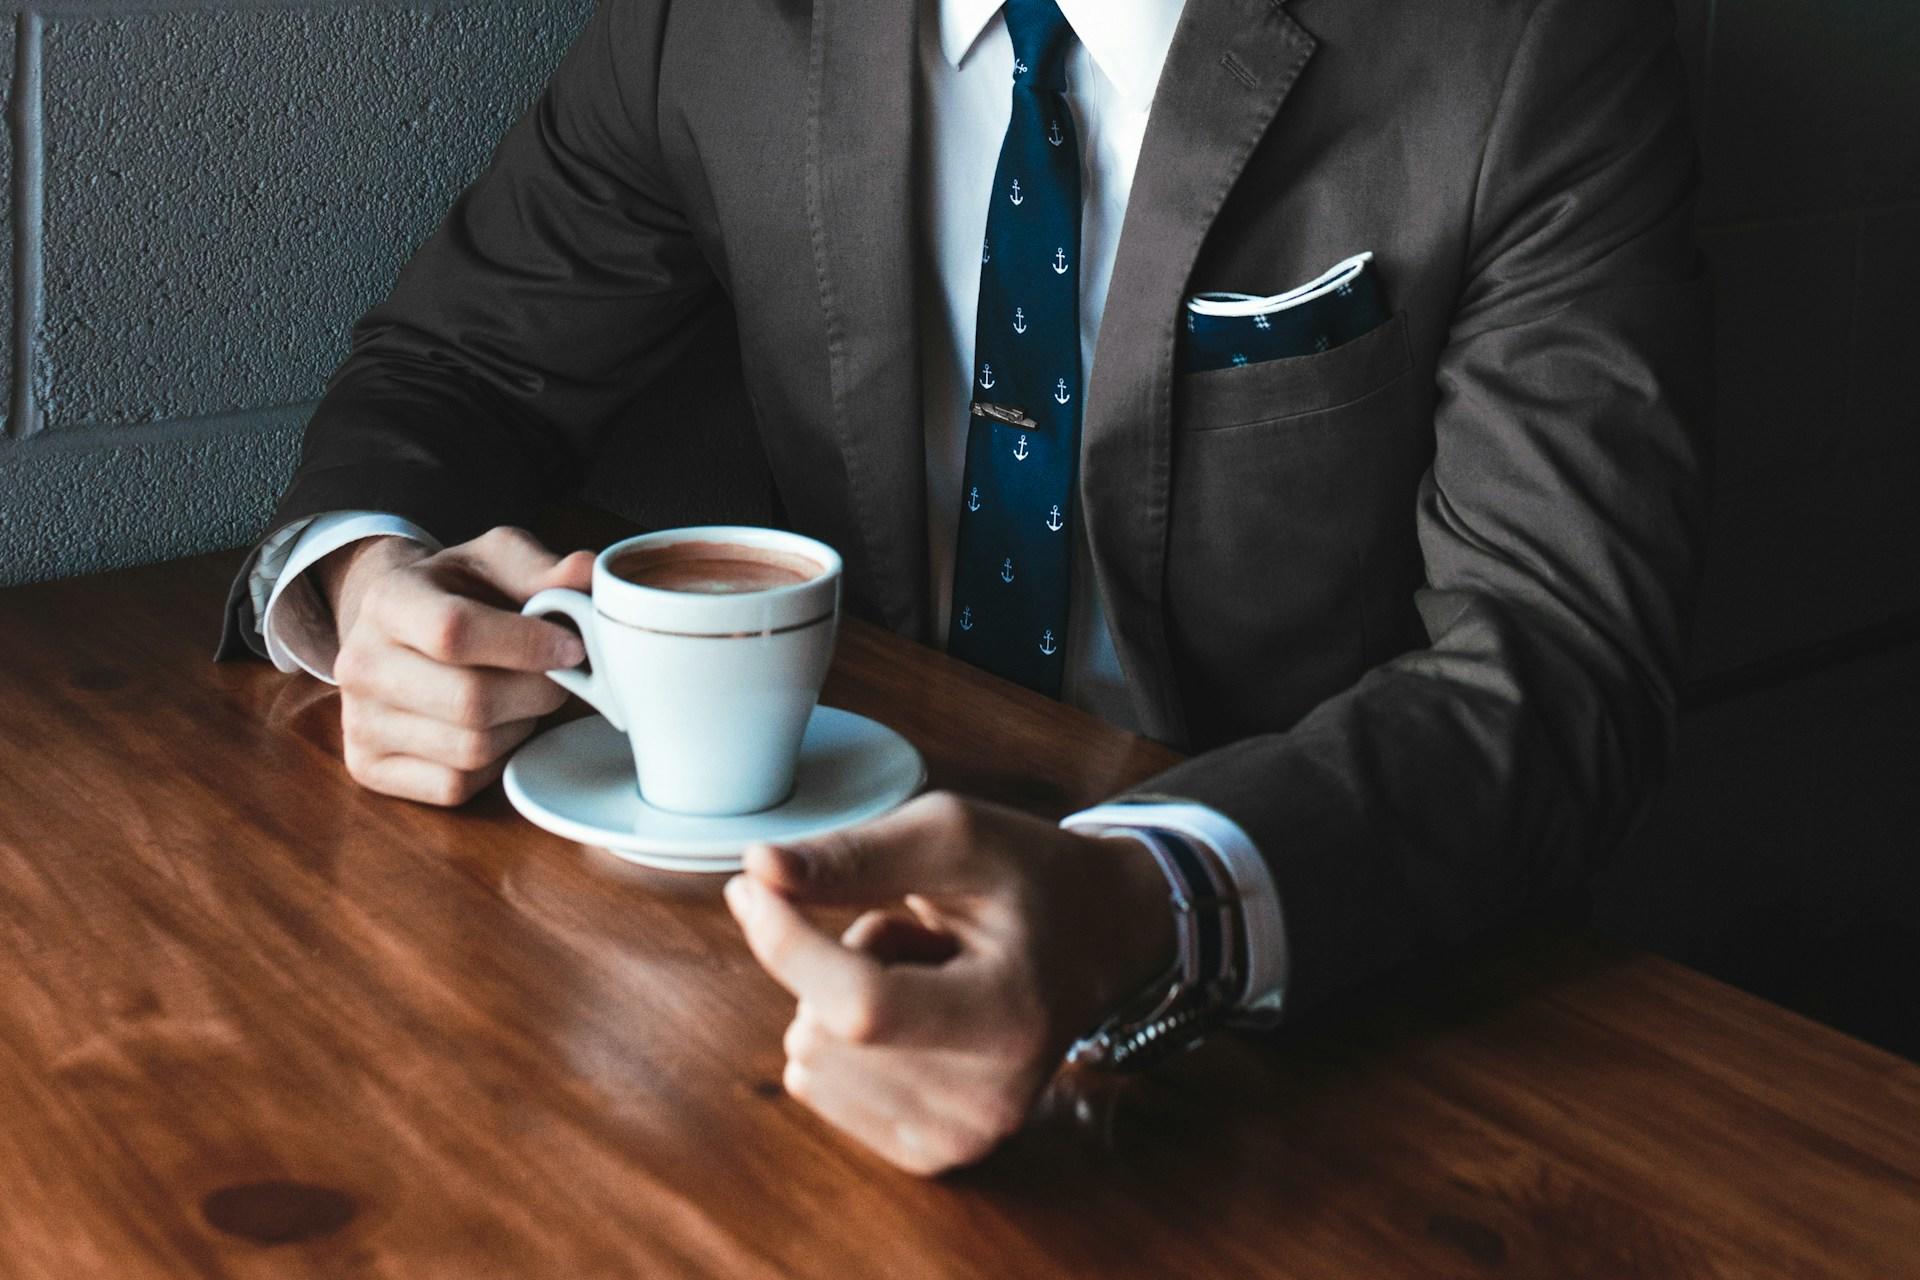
994 941
439 673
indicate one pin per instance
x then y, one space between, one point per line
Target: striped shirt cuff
1235 853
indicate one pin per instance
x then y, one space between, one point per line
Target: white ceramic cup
713 690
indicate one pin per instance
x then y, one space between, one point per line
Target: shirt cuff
294 621
1268 960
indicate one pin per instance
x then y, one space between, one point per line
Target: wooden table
256 1022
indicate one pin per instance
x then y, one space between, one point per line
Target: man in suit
1415 602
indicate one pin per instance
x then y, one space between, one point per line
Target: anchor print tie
1015 548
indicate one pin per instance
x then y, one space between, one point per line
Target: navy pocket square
1227 329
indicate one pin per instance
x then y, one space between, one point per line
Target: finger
575 570
935 844
917 1144
855 997
891 1111
516 564
892 937
387 731
960 1084
422 611
900 1139
471 696
410 778
809 964
947 1080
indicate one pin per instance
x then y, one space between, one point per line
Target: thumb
935 846
573 570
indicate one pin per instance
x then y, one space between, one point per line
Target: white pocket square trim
1241 305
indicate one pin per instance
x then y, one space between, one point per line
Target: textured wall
204 199
9 58
226 192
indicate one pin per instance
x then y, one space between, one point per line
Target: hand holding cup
440 676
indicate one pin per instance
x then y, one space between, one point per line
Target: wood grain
256 1022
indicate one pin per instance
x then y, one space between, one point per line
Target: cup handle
590 684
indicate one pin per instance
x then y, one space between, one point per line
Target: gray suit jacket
1417 603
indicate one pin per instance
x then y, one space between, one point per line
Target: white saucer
577 781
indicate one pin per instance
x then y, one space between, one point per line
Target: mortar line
144 8
253 420
29 205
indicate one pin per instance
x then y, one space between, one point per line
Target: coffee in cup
711 568
707 646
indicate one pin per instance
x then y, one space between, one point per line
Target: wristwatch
1177 1009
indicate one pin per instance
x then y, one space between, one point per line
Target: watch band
1135 1046
1198 897
1175 1010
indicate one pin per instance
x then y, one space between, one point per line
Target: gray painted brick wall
218 216
212 195
8 57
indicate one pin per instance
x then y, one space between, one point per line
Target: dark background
201 199
1785 856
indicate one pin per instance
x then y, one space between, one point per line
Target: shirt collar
1128 39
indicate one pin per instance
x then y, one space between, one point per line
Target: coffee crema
712 568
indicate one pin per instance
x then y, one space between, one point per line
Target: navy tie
1015 550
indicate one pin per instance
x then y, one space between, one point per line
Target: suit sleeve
1481 777
559 286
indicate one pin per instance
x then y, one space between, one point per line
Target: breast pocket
1271 390
1290 535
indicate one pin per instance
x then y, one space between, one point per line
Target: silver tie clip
1003 413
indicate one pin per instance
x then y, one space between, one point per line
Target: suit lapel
861 201
1230 67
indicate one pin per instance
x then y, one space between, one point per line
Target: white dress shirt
965 100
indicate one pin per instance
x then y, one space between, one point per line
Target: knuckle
802 1041
920 1162
447 629
346 664
952 813
472 749
359 742
359 763
944 806
504 539
470 704
353 665
936 1153
426 571
506 535
447 787
374 599
862 1020
797 1081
